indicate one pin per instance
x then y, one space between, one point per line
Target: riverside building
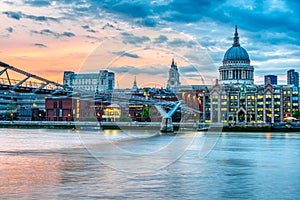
271 78
93 82
235 97
293 77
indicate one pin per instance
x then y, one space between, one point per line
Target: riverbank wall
188 126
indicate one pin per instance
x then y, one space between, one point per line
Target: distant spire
134 82
236 38
134 87
174 64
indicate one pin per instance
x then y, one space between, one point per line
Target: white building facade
92 82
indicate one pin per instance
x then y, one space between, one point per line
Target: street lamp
12 116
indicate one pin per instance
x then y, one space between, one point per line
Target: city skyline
48 37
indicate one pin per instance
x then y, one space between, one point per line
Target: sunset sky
140 37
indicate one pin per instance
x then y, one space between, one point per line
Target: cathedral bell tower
173 82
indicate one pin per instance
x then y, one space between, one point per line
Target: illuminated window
277 96
233 97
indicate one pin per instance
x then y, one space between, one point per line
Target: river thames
66 164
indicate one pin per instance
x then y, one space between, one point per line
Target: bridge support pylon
166 125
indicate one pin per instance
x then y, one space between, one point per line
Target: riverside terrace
155 126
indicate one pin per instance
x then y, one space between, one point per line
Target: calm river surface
65 164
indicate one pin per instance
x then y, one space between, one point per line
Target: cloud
178 42
150 14
149 70
161 39
133 39
10 29
108 25
132 9
40 45
123 53
19 15
188 11
188 69
40 18
38 3
199 70
92 37
46 32
264 26
8 2
88 29
92 31
67 34
54 34
13 15
269 14
85 27
150 22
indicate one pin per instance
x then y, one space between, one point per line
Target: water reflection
25 173
268 136
55 165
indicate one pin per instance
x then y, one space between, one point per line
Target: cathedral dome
236 53
236 66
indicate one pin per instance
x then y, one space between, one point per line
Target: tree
296 114
145 113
